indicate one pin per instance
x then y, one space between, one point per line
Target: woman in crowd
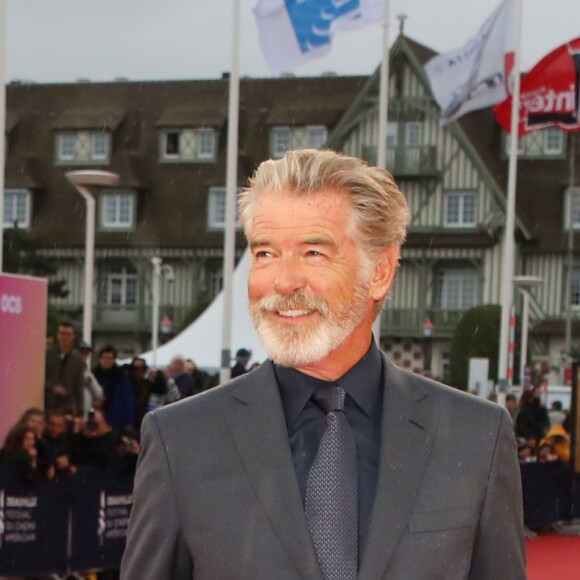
20 450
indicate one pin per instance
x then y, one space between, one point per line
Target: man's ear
384 272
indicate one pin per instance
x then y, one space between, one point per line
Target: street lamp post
524 283
158 269
84 181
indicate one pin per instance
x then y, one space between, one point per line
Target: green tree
476 335
22 255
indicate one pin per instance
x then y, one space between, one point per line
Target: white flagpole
231 189
383 119
506 288
2 119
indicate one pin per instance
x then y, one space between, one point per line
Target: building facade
167 142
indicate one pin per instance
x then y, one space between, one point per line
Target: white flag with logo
476 75
295 32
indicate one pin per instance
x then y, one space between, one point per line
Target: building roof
173 197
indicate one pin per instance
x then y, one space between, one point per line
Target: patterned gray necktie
332 491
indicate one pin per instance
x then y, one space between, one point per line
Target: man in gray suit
225 486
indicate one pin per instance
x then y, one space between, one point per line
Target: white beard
295 345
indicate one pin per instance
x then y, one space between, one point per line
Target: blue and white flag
294 32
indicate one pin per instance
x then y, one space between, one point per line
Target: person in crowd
559 443
254 366
242 359
20 450
526 452
200 378
182 379
163 390
328 461
35 419
93 392
511 404
556 414
55 444
64 373
119 406
142 387
100 444
532 419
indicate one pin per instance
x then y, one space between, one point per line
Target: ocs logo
10 304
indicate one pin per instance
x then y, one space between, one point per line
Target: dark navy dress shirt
363 407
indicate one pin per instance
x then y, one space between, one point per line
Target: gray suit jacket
216 496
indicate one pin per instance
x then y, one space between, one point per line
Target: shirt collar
363 383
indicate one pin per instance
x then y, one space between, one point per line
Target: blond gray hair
380 213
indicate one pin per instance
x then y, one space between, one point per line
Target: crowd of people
93 414
543 435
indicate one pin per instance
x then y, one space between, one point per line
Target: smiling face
311 295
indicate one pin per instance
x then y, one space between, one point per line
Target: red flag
549 94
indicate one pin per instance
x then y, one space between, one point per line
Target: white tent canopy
202 339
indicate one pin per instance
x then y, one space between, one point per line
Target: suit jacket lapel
259 428
407 431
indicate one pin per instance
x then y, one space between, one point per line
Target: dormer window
82 147
284 138
188 145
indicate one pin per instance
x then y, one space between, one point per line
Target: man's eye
263 254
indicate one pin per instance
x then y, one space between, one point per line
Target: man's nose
289 277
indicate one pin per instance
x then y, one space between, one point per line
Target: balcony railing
137 318
406 161
128 318
409 322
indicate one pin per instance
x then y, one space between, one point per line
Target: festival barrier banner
23 339
92 509
101 502
575 423
36 521
33 526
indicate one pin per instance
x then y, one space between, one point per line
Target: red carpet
554 557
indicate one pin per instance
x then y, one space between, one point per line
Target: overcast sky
64 40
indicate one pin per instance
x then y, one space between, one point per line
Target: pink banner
23 303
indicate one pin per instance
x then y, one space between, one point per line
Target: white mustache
296 301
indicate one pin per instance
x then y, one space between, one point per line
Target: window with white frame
66 143
413 142
117 210
553 141
17 208
205 143
460 209
280 141
317 135
99 146
458 289
76 147
572 208
121 286
216 216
